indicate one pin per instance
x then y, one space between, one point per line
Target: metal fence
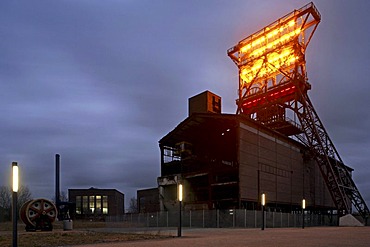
239 218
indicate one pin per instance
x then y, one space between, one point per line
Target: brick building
148 200
96 203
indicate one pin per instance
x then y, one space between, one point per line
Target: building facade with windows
96 203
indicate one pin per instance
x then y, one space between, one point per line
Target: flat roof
189 128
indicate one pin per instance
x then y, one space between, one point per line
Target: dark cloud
101 82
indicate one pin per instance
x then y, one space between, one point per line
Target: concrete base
349 220
67 225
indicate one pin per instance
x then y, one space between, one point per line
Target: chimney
206 102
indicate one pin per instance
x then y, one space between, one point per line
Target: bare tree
5 197
133 206
63 197
24 195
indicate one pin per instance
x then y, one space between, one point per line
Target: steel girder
337 176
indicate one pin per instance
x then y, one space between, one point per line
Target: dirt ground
284 237
98 235
83 233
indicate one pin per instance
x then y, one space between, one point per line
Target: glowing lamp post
263 203
303 207
180 191
14 195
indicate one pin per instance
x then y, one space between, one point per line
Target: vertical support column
303 207
245 218
57 180
218 218
255 218
15 176
203 218
263 202
147 219
180 209
190 218
234 215
167 218
157 219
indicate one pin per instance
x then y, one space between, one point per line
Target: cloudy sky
100 82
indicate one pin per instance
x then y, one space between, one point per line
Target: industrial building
148 200
227 161
275 144
96 203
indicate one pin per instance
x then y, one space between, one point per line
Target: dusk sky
101 82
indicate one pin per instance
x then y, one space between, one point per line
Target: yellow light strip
269 45
278 60
180 192
15 178
257 67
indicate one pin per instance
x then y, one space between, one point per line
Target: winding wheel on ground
38 214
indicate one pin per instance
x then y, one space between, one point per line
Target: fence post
255 218
157 219
281 219
167 218
273 219
190 219
245 218
234 215
218 218
203 217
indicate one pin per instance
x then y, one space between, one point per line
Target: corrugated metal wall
275 166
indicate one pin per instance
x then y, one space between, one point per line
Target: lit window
91 204
78 205
98 204
85 205
105 204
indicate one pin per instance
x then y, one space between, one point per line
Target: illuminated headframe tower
273 90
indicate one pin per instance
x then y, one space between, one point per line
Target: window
105 204
91 204
78 205
85 205
98 204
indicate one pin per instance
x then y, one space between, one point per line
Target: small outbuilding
96 203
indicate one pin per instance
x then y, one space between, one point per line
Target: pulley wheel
38 213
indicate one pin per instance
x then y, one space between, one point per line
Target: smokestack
57 179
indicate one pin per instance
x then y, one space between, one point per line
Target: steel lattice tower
273 90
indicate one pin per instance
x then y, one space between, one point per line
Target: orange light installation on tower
273 88
274 55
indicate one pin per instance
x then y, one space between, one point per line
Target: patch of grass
58 237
